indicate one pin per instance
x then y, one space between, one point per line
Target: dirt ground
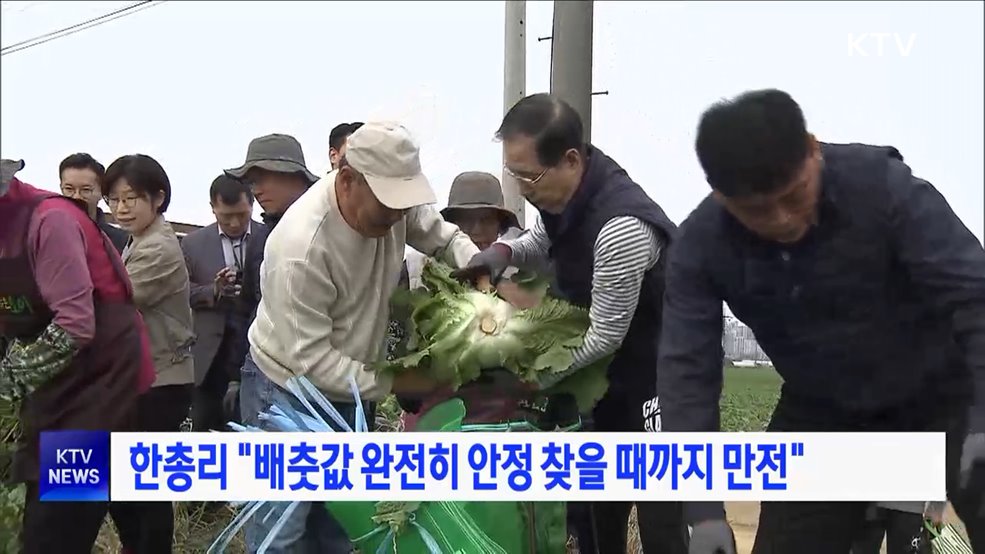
744 517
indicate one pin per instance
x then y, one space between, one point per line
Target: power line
78 27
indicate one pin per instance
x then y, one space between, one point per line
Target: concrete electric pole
514 89
571 57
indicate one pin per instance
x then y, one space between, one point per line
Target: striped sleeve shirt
625 249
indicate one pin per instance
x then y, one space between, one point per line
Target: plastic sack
454 527
945 539
433 527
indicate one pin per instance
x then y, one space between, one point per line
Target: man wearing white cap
329 270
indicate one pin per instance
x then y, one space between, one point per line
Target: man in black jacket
605 238
79 176
861 285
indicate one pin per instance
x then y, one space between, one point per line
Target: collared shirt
234 249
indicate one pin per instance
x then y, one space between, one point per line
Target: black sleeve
946 263
116 235
238 325
690 367
242 315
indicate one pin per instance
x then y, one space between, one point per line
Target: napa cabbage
455 332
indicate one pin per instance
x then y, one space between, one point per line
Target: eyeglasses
81 193
526 180
129 201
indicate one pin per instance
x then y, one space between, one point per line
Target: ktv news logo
74 466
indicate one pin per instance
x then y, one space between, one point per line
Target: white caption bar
560 466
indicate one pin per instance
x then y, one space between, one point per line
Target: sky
190 83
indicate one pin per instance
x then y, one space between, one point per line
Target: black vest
606 192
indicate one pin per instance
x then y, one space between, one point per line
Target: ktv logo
74 466
862 44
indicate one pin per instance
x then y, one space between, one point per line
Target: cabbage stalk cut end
488 325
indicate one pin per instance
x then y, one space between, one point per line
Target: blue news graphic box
74 466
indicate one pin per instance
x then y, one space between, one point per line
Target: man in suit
79 177
216 256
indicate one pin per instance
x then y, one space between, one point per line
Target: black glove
491 262
713 536
230 402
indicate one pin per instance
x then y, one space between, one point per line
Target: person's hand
225 283
491 262
516 295
230 402
413 384
712 537
972 458
934 511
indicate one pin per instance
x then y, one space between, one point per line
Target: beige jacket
161 292
326 291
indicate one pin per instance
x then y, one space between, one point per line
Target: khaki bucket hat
277 153
474 190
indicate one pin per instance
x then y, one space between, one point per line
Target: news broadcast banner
235 467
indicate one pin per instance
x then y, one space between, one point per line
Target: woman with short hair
138 193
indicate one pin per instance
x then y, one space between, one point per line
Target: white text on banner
527 466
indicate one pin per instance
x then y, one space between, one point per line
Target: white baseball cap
387 155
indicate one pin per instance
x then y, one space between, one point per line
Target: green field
749 396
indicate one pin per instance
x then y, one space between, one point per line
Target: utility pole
514 89
571 57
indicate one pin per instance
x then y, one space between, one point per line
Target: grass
750 394
748 400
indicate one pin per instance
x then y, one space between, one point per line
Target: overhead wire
78 27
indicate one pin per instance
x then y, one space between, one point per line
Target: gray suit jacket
204 258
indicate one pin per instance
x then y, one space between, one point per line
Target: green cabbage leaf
454 332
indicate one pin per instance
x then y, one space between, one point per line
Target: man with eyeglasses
606 239
79 177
